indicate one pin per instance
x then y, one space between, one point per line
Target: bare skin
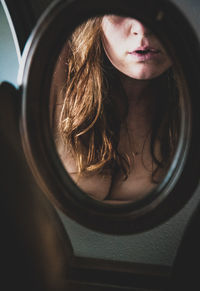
139 77
135 142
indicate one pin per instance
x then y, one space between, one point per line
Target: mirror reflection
115 109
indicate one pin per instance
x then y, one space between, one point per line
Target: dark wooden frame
36 71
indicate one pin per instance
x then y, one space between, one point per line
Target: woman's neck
141 96
134 89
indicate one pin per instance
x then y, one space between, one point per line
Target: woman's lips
144 53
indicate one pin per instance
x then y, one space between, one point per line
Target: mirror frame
35 75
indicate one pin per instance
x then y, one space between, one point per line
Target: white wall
8 56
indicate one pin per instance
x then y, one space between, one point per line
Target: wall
8 56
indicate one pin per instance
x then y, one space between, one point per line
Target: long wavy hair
93 109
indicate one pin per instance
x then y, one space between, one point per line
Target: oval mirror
115 109
108 112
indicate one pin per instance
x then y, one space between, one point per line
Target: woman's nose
137 28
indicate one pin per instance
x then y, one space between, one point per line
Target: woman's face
132 48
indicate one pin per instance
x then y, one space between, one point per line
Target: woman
117 116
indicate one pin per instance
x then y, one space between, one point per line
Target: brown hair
92 110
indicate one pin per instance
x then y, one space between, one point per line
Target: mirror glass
115 109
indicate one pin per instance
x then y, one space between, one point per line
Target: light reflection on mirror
115 109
